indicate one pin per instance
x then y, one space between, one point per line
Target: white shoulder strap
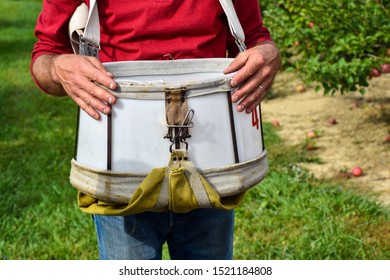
84 27
92 28
77 24
234 23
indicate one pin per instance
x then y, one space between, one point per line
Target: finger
101 94
253 99
248 87
84 83
256 99
237 63
89 100
102 76
263 76
252 66
96 62
91 105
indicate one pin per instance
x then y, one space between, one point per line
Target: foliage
336 43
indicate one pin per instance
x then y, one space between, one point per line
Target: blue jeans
201 234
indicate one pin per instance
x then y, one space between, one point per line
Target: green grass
38 215
288 216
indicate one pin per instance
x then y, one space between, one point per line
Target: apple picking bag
163 147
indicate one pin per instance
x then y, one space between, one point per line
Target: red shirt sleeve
51 29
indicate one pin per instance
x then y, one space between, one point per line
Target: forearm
42 71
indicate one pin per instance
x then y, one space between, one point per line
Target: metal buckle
88 49
179 133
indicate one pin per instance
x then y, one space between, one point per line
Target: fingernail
109 74
110 100
233 83
112 85
235 98
104 110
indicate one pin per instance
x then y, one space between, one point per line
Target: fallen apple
387 139
332 120
275 123
300 88
375 73
385 68
310 146
357 171
311 134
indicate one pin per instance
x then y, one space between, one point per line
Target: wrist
52 68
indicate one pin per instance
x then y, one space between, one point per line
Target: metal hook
184 126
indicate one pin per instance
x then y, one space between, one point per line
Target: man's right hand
77 76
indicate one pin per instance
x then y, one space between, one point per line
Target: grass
39 217
289 215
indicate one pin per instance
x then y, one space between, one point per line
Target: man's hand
256 68
77 76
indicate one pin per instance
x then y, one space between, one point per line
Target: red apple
311 134
357 171
385 68
296 43
311 24
332 120
375 73
300 88
275 123
310 146
387 139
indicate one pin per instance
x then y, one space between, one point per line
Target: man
155 30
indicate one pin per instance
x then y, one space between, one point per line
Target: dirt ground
357 139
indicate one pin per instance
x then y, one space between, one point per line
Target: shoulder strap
92 28
77 24
234 23
84 28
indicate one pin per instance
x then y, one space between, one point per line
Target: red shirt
152 29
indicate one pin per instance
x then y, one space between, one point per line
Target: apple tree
338 44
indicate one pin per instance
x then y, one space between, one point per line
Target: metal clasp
179 133
88 49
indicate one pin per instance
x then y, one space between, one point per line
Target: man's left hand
256 70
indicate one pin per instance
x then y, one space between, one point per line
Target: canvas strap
84 28
234 23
